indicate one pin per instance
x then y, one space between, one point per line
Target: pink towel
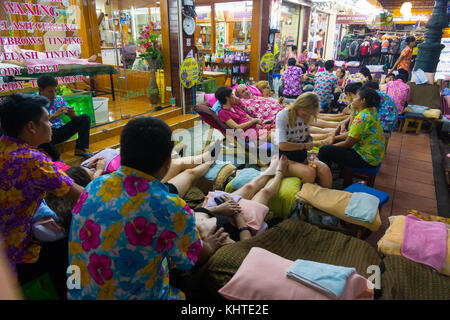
425 242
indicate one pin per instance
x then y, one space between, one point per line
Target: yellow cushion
432 114
333 202
391 242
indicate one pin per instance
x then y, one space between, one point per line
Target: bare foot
271 170
93 58
283 165
213 150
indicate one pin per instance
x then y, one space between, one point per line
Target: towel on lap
425 242
362 207
212 202
108 153
328 279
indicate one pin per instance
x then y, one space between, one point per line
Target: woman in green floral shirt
364 146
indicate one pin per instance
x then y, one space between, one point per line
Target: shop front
223 36
111 58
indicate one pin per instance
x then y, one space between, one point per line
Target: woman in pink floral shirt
399 90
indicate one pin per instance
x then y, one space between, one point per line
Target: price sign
189 73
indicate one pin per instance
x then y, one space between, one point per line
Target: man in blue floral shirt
324 85
61 132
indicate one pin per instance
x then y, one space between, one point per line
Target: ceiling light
405 10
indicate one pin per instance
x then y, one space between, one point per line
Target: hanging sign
189 73
124 18
267 62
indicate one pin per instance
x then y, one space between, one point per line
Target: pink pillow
61 166
262 276
211 98
254 90
113 165
253 212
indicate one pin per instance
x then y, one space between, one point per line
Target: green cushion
282 202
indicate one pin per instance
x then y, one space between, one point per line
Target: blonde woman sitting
294 140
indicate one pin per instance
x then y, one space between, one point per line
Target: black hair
353 87
292 62
319 64
410 39
402 75
372 85
79 175
390 75
195 50
146 144
222 93
329 65
366 72
293 48
62 206
16 110
371 96
46 81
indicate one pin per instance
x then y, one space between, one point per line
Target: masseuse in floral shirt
291 80
127 224
25 176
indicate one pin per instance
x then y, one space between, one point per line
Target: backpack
375 49
394 47
365 49
385 46
353 51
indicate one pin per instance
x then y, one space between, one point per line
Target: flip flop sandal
87 154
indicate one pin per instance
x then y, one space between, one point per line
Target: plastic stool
368 173
357 187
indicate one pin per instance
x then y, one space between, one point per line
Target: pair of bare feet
277 166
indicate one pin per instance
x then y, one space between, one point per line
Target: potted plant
151 47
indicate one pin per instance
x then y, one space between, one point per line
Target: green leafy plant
149 42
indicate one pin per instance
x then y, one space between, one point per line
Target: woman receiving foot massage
294 140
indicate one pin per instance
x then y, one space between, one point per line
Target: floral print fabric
388 112
264 109
324 85
399 92
54 105
291 80
352 78
366 128
124 228
25 176
406 61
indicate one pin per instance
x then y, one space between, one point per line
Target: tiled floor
407 175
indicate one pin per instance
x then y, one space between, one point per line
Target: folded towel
243 177
216 107
214 170
425 242
328 279
212 202
418 109
362 207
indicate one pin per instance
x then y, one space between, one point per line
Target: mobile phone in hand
219 200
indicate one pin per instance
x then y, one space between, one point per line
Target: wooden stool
413 118
369 174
